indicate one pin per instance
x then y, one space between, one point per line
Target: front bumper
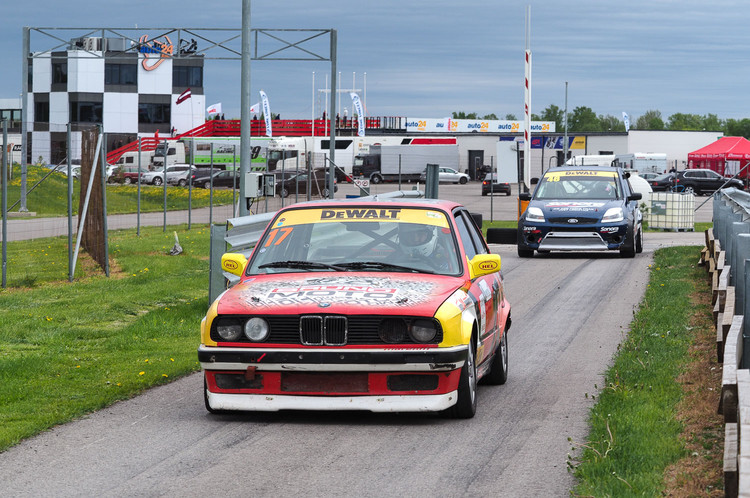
378 380
548 237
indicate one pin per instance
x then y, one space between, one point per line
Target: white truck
403 162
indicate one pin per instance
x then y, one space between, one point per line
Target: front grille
315 330
329 330
581 220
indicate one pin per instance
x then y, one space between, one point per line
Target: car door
713 181
485 291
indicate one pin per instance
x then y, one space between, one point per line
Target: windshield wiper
377 265
301 265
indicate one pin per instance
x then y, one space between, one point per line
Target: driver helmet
417 239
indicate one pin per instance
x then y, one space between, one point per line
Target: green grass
67 349
50 197
634 435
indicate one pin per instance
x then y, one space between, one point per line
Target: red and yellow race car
379 305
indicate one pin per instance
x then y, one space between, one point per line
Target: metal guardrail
727 258
242 233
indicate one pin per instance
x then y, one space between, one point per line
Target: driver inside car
424 242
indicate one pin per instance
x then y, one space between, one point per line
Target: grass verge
641 425
67 349
50 198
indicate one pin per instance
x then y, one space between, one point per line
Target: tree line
584 119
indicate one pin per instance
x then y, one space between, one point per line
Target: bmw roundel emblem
573 220
324 305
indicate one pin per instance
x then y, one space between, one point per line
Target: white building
105 81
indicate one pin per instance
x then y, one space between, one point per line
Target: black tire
690 190
326 193
507 194
484 193
498 373
182 183
628 248
127 180
639 240
207 185
376 179
525 253
157 181
466 405
284 193
462 180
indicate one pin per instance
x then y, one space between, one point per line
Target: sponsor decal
609 229
161 49
350 291
571 204
488 265
231 265
360 214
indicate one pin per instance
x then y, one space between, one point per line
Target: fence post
734 255
217 247
4 173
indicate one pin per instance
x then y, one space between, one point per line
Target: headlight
256 329
392 330
229 330
423 330
535 215
612 215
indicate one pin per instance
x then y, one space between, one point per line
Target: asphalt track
569 314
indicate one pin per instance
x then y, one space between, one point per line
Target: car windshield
358 239
579 184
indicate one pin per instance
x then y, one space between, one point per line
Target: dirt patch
700 472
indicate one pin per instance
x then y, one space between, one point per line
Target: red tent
726 156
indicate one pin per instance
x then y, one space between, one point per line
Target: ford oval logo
573 220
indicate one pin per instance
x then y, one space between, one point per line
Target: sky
427 59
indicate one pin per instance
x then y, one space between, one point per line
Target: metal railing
727 259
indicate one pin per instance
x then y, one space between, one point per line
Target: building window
41 112
86 112
59 71
154 113
187 76
120 74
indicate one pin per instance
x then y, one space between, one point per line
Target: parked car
447 175
125 175
221 178
648 175
491 185
318 179
383 306
703 181
662 183
591 208
156 177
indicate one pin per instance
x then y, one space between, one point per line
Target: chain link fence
42 206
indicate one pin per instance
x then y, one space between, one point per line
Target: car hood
341 292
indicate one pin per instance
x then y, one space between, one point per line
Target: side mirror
525 196
484 264
636 196
233 263
534 180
